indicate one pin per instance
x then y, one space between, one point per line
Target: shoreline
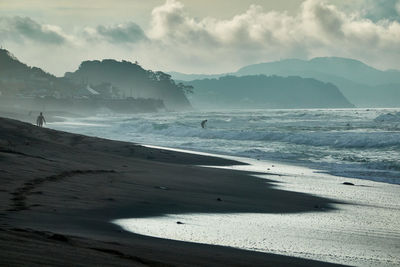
364 223
368 165
61 190
354 218
255 166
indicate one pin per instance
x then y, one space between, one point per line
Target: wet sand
363 231
59 193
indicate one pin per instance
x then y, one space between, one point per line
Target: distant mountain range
363 85
260 91
292 83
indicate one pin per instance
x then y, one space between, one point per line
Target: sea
356 143
311 151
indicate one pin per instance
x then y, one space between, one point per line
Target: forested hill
260 91
133 80
17 78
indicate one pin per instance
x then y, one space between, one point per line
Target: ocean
309 151
357 143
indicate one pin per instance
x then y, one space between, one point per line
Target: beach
188 133
60 192
362 230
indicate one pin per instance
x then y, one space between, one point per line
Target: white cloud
319 29
175 40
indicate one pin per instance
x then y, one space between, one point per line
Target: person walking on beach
203 124
40 120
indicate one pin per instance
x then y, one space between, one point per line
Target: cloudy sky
191 36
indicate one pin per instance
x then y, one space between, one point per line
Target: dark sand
59 192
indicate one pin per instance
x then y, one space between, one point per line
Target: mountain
361 84
133 81
349 69
26 89
178 76
260 91
17 78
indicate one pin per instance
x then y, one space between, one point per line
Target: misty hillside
17 78
350 69
361 84
27 89
133 81
260 91
178 76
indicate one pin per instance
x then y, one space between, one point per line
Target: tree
187 89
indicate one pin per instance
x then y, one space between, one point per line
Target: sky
191 36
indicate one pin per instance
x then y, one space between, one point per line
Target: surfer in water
203 124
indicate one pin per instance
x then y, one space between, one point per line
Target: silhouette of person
203 124
40 120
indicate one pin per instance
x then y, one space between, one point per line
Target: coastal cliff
132 80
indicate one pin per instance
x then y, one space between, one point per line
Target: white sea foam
352 142
389 117
363 232
339 139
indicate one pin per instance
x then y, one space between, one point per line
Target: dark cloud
20 28
122 33
329 19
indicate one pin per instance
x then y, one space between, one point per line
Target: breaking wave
352 142
337 139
